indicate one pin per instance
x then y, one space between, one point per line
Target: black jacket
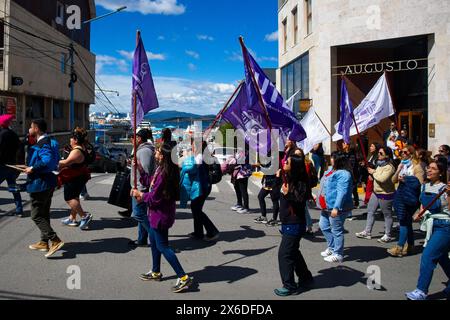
9 145
293 204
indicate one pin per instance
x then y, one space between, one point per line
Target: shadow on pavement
104 199
111 223
340 276
365 253
26 296
114 245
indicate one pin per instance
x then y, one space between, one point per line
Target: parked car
119 154
104 161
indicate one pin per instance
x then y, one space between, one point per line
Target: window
308 16
2 35
295 77
284 23
295 25
34 107
284 83
58 109
59 13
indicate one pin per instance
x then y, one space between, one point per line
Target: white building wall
340 22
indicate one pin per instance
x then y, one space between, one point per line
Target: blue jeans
10 176
406 233
140 215
159 242
333 230
435 252
309 222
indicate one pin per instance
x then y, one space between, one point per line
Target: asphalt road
241 265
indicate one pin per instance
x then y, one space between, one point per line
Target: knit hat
6 119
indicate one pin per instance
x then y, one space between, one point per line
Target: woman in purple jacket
164 192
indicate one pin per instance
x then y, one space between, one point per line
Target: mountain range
168 115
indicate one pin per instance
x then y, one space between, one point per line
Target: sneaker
363 235
272 223
326 253
56 245
396 251
283 292
242 211
84 224
151 276
212 239
350 218
135 243
181 285
416 295
385 239
69 222
236 208
40 246
260 220
336 258
85 197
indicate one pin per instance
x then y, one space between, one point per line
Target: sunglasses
404 152
381 153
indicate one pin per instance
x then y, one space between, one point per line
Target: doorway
414 122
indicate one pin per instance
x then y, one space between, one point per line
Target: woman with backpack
295 192
436 223
73 175
196 186
335 200
382 196
161 202
409 175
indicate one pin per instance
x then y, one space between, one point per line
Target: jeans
140 215
406 234
40 214
159 242
309 222
333 230
241 189
435 252
10 176
319 164
201 219
386 208
291 260
274 196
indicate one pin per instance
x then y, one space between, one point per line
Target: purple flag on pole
280 115
346 114
143 87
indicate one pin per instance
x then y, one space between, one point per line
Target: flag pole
393 106
255 84
138 35
357 131
331 136
223 110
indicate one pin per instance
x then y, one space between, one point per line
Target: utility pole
73 79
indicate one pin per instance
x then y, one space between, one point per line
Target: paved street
241 265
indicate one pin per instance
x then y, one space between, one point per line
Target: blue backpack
55 155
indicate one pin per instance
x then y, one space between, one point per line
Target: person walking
337 200
371 163
382 196
161 200
350 154
145 169
409 175
9 146
76 167
436 224
196 187
41 183
240 174
318 157
271 185
295 193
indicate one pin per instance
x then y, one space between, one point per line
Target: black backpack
215 172
313 178
89 153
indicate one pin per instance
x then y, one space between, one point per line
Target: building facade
319 40
44 67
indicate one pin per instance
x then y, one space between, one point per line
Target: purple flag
280 115
346 114
143 87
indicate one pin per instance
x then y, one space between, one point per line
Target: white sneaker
242 210
236 208
385 239
334 258
85 197
363 235
326 253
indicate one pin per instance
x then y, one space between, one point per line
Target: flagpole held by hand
138 35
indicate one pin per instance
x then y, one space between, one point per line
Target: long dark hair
377 148
389 155
341 162
170 173
443 167
297 179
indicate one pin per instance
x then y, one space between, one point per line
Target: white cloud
166 7
150 55
193 54
271 37
199 97
104 61
192 67
204 37
235 56
161 38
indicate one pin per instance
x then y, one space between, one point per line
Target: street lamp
73 77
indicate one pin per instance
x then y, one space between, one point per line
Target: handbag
69 174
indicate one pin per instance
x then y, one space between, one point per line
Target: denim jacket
338 191
194 181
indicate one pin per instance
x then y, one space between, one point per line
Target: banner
315 130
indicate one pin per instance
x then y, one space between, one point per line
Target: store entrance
414 122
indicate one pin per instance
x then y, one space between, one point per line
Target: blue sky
192 46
